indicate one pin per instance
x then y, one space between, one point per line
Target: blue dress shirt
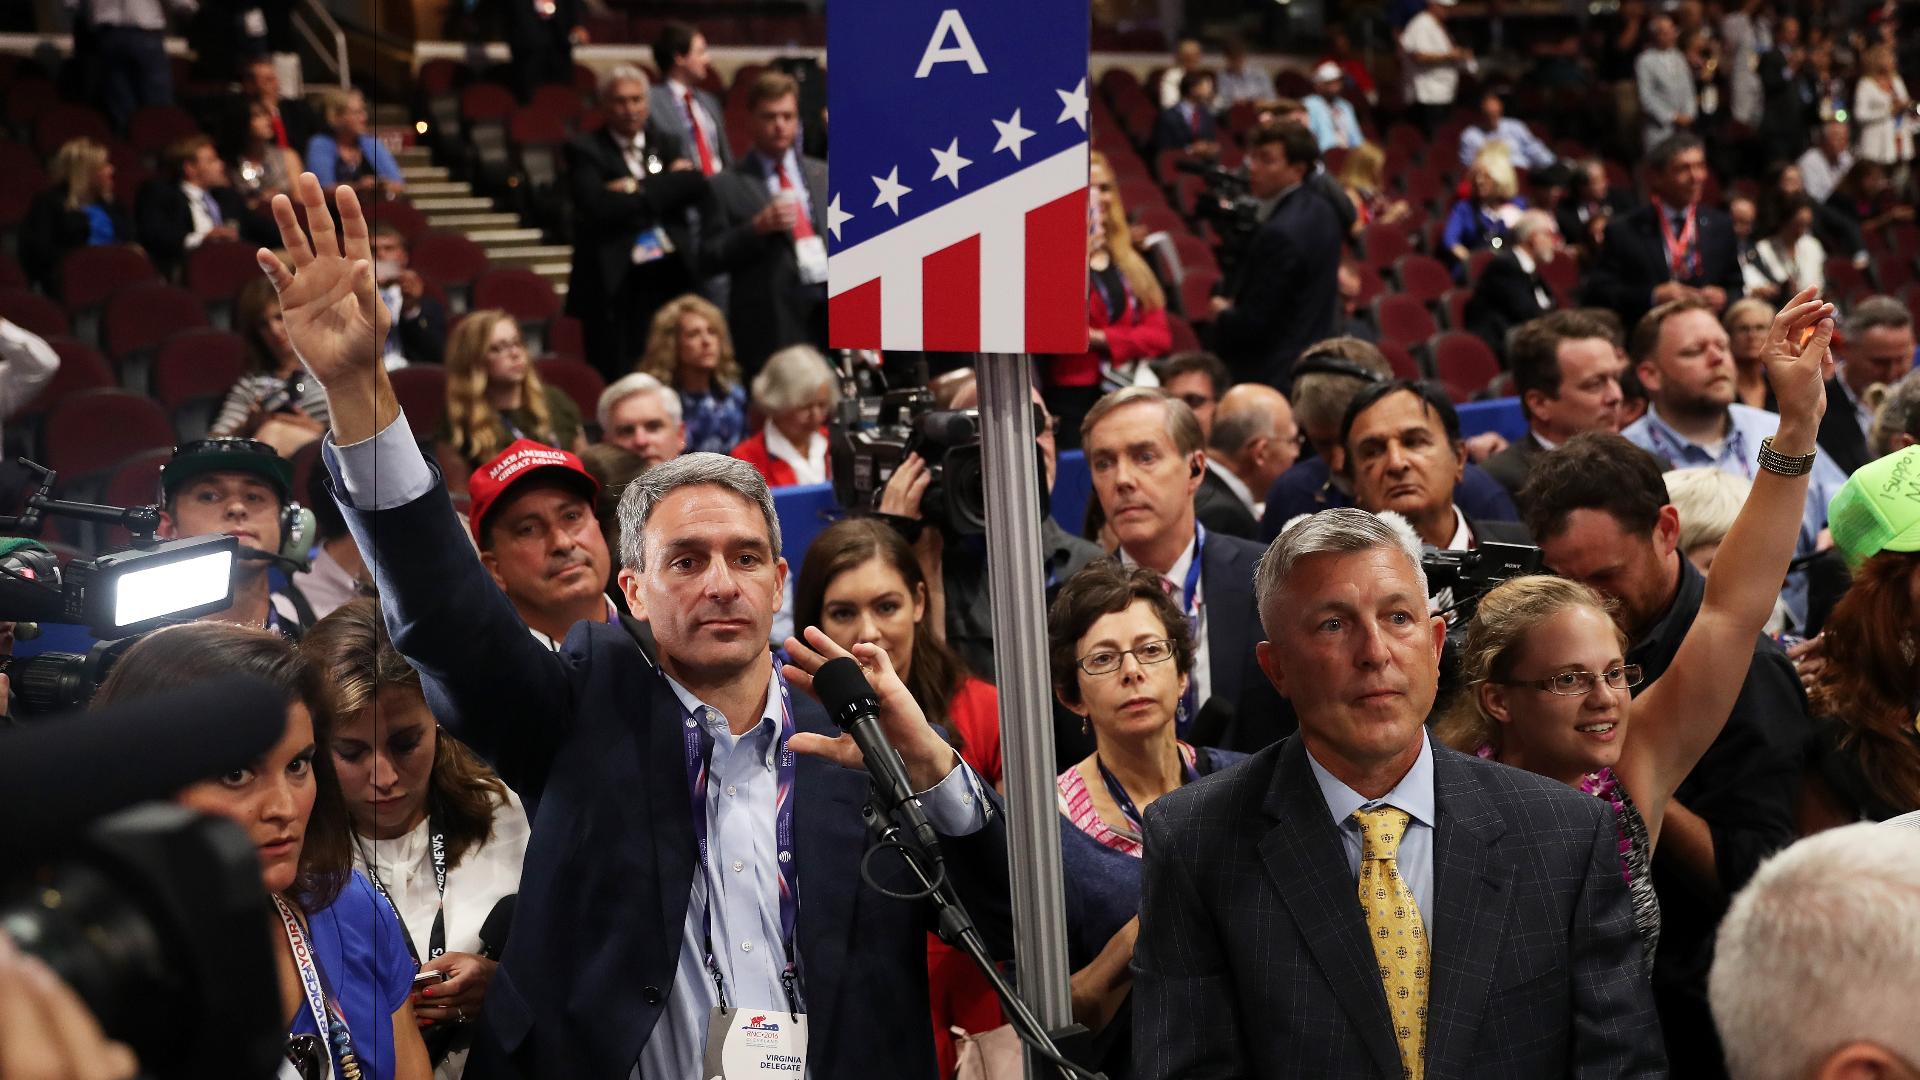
1526 149
323 159
1413 794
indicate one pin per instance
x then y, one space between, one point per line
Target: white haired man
638 413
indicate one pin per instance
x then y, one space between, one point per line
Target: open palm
334 315
1798 355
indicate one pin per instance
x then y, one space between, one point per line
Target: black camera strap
437 935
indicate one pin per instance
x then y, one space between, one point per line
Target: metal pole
1016 590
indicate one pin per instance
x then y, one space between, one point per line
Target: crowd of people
1329 804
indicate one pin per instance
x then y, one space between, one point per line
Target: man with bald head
1254 439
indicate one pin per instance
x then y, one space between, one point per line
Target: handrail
336 62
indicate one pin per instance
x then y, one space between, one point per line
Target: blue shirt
715 422
1414 794
1526 149
1333 123
1736 454
363 958
323 159
99 225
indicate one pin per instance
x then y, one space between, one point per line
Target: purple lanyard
1189 593
699 747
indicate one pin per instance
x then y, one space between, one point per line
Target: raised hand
925 754
1799 360
332 307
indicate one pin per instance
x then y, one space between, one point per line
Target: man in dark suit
1403 452
542 34
419 322
1285 294
1674 247
680 107
1566 371
188 205
1189 124
1253 441
1588 206
293 119
1791 98
639 861
1511 290
1358 902
1879 349
774 248
632 185
1145 453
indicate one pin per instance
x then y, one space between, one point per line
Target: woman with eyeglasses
1121 656
1545 686
494 396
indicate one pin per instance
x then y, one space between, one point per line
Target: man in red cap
533 520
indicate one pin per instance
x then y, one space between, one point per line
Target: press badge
812 253
651 244
743 1044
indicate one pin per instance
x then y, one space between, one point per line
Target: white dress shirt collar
810 466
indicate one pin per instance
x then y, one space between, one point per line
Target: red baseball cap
524 458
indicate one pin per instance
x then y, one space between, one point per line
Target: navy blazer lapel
828 842
1227 645
1472 884
1302 854
676 856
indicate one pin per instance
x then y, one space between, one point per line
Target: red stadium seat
1563 277
565 338
525 295
1403 319
421 390
1477 262
400 214
1846 281
1422 277
486 101
562 101
27 99
448 259
89 275
94 430
1382 244
33 311
81 368
1196 293
437 76
153 128
58 124
1454 303
1398 355
197 364
1372 285
536 126
1195 254
1463 362
218 269
578 379
141 316
1184 339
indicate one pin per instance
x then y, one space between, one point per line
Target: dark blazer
1840 434
669 114
1253 958
769 306
1285 292
591 732
423 335
1173 131
606 223
1573 215
1221 511
1510 466
1790 108
166 221
50 230
1504 297
1634 260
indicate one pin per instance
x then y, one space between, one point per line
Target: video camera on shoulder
1224 200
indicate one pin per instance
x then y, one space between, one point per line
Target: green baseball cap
197 459
1878 508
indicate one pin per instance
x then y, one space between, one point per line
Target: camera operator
1284 294
1404 453
344 976
432 827
242 488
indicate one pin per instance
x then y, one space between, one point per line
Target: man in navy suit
1676 246
1495 939
1145 453
699 838
1189 124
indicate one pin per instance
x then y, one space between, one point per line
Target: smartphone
428 978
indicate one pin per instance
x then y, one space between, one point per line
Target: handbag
995 1054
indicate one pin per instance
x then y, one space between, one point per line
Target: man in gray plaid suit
1358 902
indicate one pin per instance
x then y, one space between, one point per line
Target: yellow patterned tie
1399 937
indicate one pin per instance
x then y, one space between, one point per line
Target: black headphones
298 526
1327 364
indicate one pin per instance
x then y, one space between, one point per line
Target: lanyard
342 1064
437 936
1125 801
699 749
1683 252
1189 603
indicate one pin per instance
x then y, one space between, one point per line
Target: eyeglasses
1578 683
1107 661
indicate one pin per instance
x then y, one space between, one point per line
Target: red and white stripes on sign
922 285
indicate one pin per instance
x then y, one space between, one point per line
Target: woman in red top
1126 310
796 392
860 582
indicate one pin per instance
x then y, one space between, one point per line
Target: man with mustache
533 520
1683 357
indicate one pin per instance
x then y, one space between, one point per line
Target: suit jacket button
651 994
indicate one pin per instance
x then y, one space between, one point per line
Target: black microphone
493 932
850 701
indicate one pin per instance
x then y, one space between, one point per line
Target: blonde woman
1545 680
1491 210
494 397
77 211
690 349
1883 115
347 153
1364 177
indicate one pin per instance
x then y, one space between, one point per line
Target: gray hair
791 377
1342 530
1875 313
647 490
1821 949
626 386
1708 500
625 73
1532 222
1898 414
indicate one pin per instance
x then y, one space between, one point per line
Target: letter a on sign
962 49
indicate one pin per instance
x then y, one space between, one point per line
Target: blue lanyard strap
1189 602
1128 812
343 1063
699 759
